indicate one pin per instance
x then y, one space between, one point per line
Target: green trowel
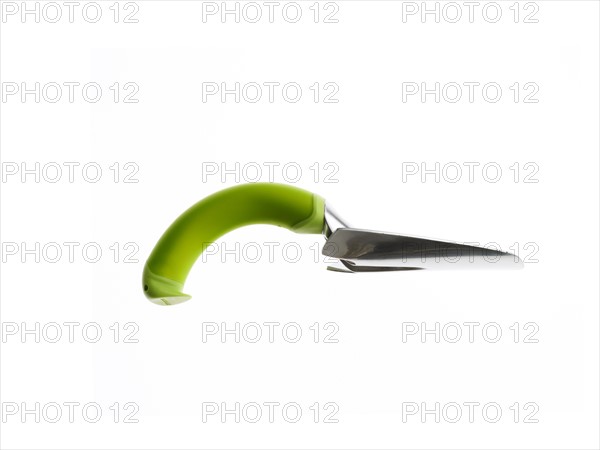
300 211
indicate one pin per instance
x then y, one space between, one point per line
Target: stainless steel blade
372 251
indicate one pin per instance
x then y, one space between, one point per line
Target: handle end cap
161 290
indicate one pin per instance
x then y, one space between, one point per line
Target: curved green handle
184 241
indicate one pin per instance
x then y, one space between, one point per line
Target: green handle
184 241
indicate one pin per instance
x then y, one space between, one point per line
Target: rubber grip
184 241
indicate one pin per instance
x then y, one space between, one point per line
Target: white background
369 135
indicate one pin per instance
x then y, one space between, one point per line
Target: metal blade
373 251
